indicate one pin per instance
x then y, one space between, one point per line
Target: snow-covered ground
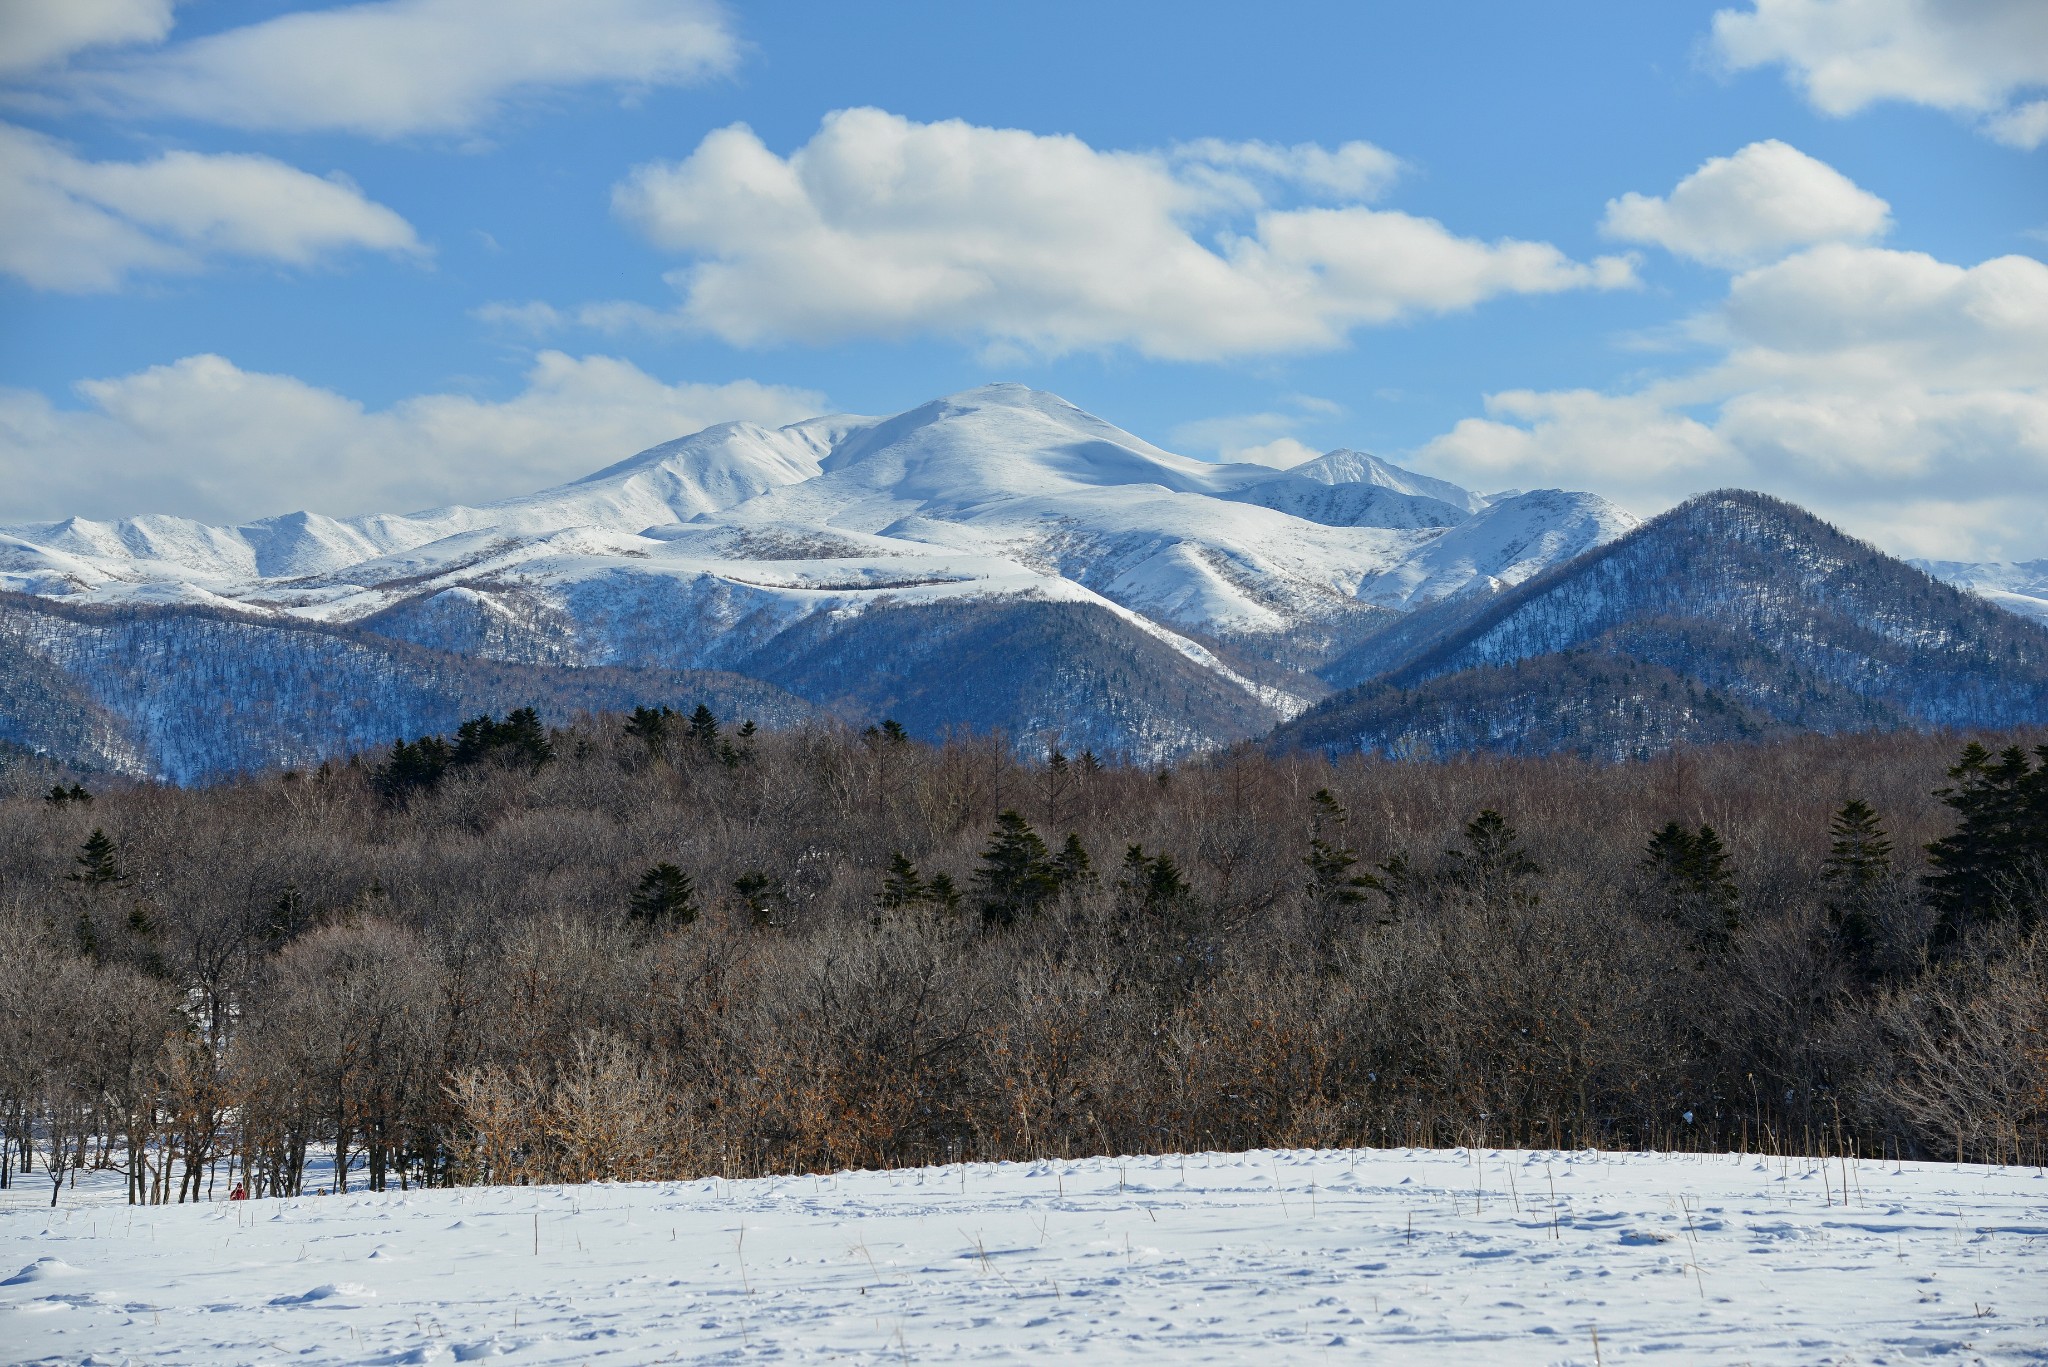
1427 1256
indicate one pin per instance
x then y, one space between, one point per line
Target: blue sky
378 256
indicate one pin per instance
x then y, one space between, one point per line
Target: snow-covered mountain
708 552
996 491
2017 586
1733 616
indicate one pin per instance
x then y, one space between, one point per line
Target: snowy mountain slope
2016 586
1733 615
1353 489
1002 473
705 552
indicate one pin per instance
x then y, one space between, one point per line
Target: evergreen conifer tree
704 726
664 897
1016 876
1072 866
941 893
1151 884
650 726
902 886
523 740
1858 865
1994 865
760 894
1491 861
1693 869
98 861
518 740
1396 881
1331 883
1493 852
893 732
411 768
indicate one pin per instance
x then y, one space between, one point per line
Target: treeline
667 945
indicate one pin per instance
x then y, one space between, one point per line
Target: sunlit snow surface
1425 1256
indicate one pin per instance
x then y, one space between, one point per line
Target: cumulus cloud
37 33
1758 204
1977 57
80 225
203 438
880 226
399 67
1905 396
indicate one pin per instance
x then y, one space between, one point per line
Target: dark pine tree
1016 876
664 898
1858 865
1072 866
1994 865
1694 873
99 863
411 768
518 741
941 893
1332 884
1492 865
523 740
1150 884
650 726
704 726
902 885
761 894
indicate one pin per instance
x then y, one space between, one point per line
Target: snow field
1465 1256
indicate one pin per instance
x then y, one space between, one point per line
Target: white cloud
399 67
1265 438
1354 171
1975 57
83 225
1755 205
1259 438
880 226
1282 453
203 438
1901 395
37 33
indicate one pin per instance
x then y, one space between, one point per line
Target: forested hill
195 695
1734 615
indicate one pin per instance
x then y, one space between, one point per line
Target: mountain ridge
1765 617
1159 604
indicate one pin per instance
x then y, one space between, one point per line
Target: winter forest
670 945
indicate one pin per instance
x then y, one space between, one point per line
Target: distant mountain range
994 559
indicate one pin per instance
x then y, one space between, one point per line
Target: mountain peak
1344 466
